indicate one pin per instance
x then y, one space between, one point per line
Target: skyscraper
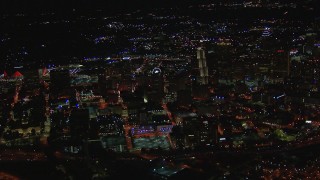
201 57
59 81
79 123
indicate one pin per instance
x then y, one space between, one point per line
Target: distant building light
126 58
18 67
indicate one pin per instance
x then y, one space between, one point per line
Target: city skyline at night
186 89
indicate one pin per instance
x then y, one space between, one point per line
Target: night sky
111 5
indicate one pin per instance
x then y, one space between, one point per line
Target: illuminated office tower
203 78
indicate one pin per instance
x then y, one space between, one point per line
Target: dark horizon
111 5
114 6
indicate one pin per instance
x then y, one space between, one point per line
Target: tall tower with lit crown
202 64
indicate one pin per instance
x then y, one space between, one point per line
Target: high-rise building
59 81
79 123
202 64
